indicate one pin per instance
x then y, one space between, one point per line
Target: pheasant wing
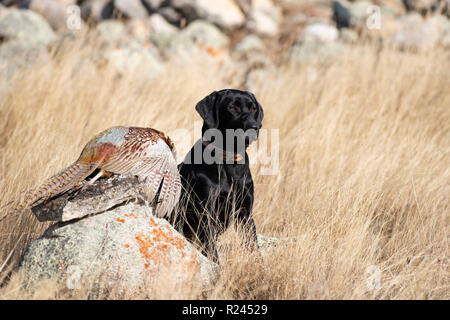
153 160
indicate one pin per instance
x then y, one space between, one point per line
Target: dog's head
232 109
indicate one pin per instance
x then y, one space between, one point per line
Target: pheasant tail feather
59 183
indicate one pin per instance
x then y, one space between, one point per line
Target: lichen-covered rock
131 8
324 52
25 25
19 55
141 62
97 10
264 17
126 248
319 32
417 33
54 12
112 32
204 34
249 43
224 13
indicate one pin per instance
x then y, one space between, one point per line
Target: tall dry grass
364 176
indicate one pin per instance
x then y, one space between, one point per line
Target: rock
341 15
154 28
53 11
162 32
264 18
159 25
319 32
3 10
348 35
131 8
392 8
265 241
250 52
262 23
27 26
139 29
224 13
138 61
153 4
444 27
445 40
421 6
18 55
445 8
309 51
358 12
204 34
416 33
125 248
249 43
171 15
112 32
97 10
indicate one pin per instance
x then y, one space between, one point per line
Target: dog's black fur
215 194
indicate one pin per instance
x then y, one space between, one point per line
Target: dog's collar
225 154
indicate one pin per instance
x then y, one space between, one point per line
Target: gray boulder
324 52
417 33
19 55
319 32
139 61
27 26
153 4
131 8
3 9
224 13
162 32
249 43
55 12
97 10
264 18
204 34
358 12
171 15
112 32
124 248
159 24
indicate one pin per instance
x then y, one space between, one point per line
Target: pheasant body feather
143 152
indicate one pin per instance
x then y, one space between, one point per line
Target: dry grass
364 174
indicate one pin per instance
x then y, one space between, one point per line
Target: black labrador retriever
215 174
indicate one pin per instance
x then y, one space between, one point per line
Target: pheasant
143 152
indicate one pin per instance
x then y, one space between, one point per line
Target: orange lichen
214 52
153 222
131 215
127 245
120 220
157 246
192 263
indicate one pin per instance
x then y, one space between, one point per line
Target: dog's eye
252 109
235 108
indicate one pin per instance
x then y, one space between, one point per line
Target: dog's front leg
245 220
208 239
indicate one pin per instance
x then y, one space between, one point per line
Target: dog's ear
260 115
207 108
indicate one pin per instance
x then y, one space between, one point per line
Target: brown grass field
363 180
